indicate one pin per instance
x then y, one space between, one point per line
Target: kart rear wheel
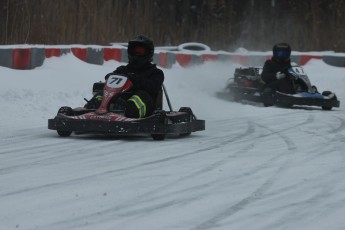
327 107
232 96
268 104
267 97
286 105
69 112
158 137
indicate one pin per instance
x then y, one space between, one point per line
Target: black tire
160 118
158 137
64 133
185 134
187 110
314 89
268 104
327 93
286 105
236 97
328 108
233 95
267 97
66 110
69 112
97 88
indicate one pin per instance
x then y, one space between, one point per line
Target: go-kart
248 85
107 118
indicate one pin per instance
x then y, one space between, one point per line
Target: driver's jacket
268 75
270 69
149 78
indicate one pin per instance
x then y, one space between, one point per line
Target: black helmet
281 52
140 51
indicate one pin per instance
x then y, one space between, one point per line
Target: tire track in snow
332 136
259 192
124 169
148 201
150 196
339 128
288 141
227 140
40 153
233 209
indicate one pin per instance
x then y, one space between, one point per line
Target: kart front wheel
69 112
64 133
328 93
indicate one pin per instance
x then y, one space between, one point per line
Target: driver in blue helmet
275 70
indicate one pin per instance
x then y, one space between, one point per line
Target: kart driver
147 79
275 71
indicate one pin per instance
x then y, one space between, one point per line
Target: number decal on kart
298 70
116 81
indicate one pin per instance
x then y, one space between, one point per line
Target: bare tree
222 24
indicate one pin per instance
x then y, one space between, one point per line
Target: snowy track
252 168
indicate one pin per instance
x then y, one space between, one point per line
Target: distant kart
106 119
247 85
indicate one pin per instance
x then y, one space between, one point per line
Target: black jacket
270 69
149 78
268 75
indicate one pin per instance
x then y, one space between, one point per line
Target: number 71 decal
116 81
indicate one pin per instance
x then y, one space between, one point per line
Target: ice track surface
252 168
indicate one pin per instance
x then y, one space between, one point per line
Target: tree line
308 25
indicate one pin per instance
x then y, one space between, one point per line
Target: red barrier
112 54
208 57
80 53
240 59
305 58
21 58
52 52
163 60
184 60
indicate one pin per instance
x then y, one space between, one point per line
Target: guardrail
185 55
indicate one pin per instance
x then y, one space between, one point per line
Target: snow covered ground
252 168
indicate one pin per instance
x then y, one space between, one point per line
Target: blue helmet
281 52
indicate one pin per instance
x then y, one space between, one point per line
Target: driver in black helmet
147 79
275 71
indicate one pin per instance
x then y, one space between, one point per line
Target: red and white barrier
32 56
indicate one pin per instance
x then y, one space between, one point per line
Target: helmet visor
282 54
137 50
